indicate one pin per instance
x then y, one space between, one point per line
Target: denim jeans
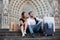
49 25
34 27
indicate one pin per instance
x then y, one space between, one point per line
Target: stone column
1 11
5 14
56 15
59 13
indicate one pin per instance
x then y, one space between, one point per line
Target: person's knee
29 27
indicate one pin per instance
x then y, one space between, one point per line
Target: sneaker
23 34
33 35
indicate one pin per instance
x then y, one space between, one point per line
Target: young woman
23 23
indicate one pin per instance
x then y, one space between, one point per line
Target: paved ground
6 35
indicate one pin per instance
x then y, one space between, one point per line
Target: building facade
10 10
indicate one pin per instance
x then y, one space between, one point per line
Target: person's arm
21 23
40 20
28 22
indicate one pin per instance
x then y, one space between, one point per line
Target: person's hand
34 16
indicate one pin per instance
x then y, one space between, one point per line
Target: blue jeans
49 25
34 28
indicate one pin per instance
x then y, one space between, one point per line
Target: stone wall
40 7
57 14
5 19
13 8
1 11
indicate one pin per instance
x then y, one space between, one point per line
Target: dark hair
22 15
30 12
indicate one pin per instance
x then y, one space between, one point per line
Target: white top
50 20
32 21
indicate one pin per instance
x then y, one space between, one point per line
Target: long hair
22 15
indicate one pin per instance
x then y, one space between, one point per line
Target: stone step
20 38
7 35
18 33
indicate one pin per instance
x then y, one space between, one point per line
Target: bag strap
36 20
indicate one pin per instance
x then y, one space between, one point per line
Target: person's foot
23 34
33 35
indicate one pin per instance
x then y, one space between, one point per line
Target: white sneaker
23 34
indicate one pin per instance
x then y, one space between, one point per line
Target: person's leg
37 26
31 30
22 31
25 27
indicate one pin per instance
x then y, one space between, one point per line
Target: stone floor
6 35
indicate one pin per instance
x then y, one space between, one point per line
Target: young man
33 23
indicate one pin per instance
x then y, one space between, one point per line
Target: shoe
23 34
33 35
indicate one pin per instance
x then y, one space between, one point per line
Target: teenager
23 23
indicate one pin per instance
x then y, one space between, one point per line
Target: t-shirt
32 21
22 20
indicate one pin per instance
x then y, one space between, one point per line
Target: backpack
36 20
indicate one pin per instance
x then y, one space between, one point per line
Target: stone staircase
7 35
